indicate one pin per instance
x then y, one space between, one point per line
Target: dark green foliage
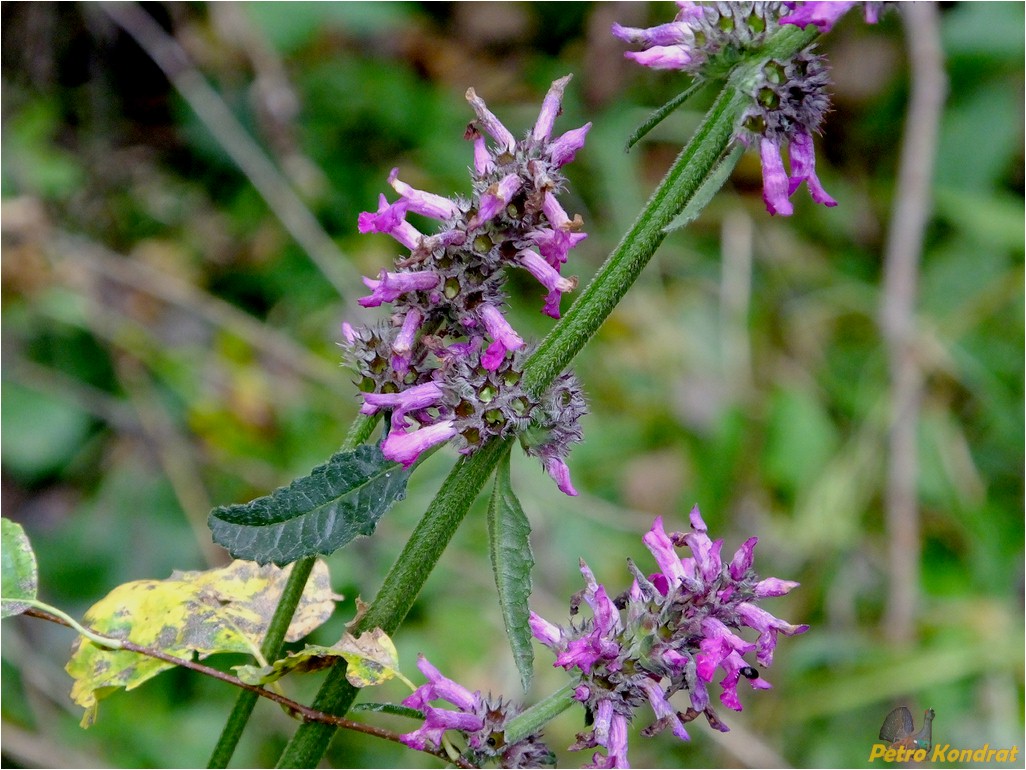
509 545
315 514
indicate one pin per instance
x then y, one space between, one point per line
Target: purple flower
420 202
548 277
788 97
825 14
679 627
405 448
496 198
803 169
449 360
388 287
506 338
775 182
482 721
564 149
390 218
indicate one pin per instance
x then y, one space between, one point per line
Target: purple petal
496 198
483 163
428 204
662 57
504 335
662 550
388 287
405 448
665 713
564 149
544 631
548 277
773 587
743 558
560 473
445 688
550 109
391 220
774 180
803 169
491 124
823 14
672 33
411 399
403 344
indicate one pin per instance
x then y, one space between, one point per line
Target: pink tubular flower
409 400
549 110
803 169
388 287
774 180
560 473
496 198
547 276
491 124
564 149
405 448
504 336
390 218
420 202
825 14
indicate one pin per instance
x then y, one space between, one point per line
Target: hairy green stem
359 432
397 594
540 714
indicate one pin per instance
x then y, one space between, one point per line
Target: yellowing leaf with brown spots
372 659
218 610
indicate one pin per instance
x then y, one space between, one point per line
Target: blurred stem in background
902 253
261 172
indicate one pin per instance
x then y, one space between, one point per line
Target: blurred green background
169 346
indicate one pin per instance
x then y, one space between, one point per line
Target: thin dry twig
175 63
143 277
308 714
901 265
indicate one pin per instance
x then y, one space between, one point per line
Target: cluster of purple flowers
671 631
789 98
448 360
482 721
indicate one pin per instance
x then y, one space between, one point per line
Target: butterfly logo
899 730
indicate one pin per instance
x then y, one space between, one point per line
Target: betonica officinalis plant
457 350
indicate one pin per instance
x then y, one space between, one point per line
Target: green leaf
708 189
509 545
19 573
661 114
219 610
316 514
372 659
389 708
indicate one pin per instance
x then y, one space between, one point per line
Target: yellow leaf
372 659
206 612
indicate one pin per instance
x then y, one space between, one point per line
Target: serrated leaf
218 610
709 188
315 514
372 659
389 708
19 574
509 546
